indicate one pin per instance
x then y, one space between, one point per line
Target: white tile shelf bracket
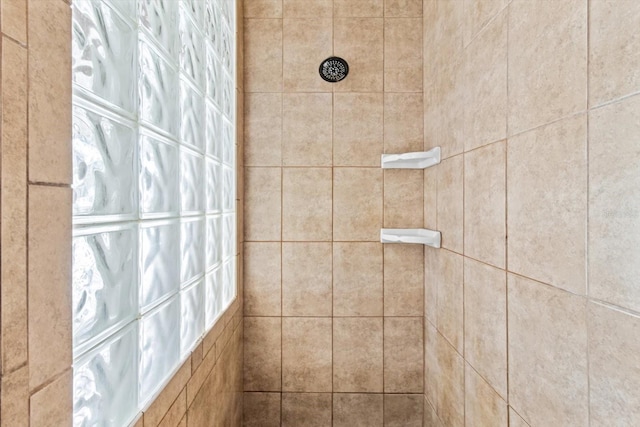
420 236
418 160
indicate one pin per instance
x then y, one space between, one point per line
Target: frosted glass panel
105 391
159 346
160 262
192 318
192 248
104 53
104 281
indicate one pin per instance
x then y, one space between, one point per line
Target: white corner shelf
420 236
418 160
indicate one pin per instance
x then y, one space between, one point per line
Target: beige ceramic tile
306 409
306 43
53 405
431 280
402 8
403 355
547 204
357 279
307 204
358 8
403 280
306 279
450 109
613 46
478 13
307 8
261 409
263 55
262 201
162 404
403 198
262 353
14 398
403 410
614 203
262 278
485 320
485 190
306 354
483 406
357 410
307 124
449 31
357 354
431 372
448 276
403 55
614 367
13 204
360 40
357 129
49 277
450 203
262 8
403 122
175 413
515 420
49 99
431 198
547 353
263 129
14 19
357 204
485 76
447 380
547 61
430 418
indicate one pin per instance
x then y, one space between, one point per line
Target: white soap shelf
420 236
417 160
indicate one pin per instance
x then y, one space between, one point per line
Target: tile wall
532 307
333 321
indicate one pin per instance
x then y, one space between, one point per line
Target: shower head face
334 69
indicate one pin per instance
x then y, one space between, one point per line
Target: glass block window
154 243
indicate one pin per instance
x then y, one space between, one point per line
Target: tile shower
527 316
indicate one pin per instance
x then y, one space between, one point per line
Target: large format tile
306 8
357 279
262 353
306 133
357 204
479 13
306 279
357 129
53 405
450 203
547 338
483 406
445 272
403 280
13 14
263 129
613 45
306 409
263 55
614 203
306 354
360 41
262 9
403 410
358 8
402 8
14 398
357 354
261 409
547 61
306 43
306 204
403 198
547 204
485 320
403 55
614 367
262 204
403 122
485 187
403 355
262 279
357 410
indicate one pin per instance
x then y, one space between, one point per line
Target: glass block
229 282
159 172
160 257
104 167
214 131
213 22
229 189
193 115
104 54
192 53
229 235
158 91
192 318
213 296
191 179
195 9
214 76
159 347
105 383
228 143
192 249
126 7
160 19
214 240
227 103
226 50
214 186
104 282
